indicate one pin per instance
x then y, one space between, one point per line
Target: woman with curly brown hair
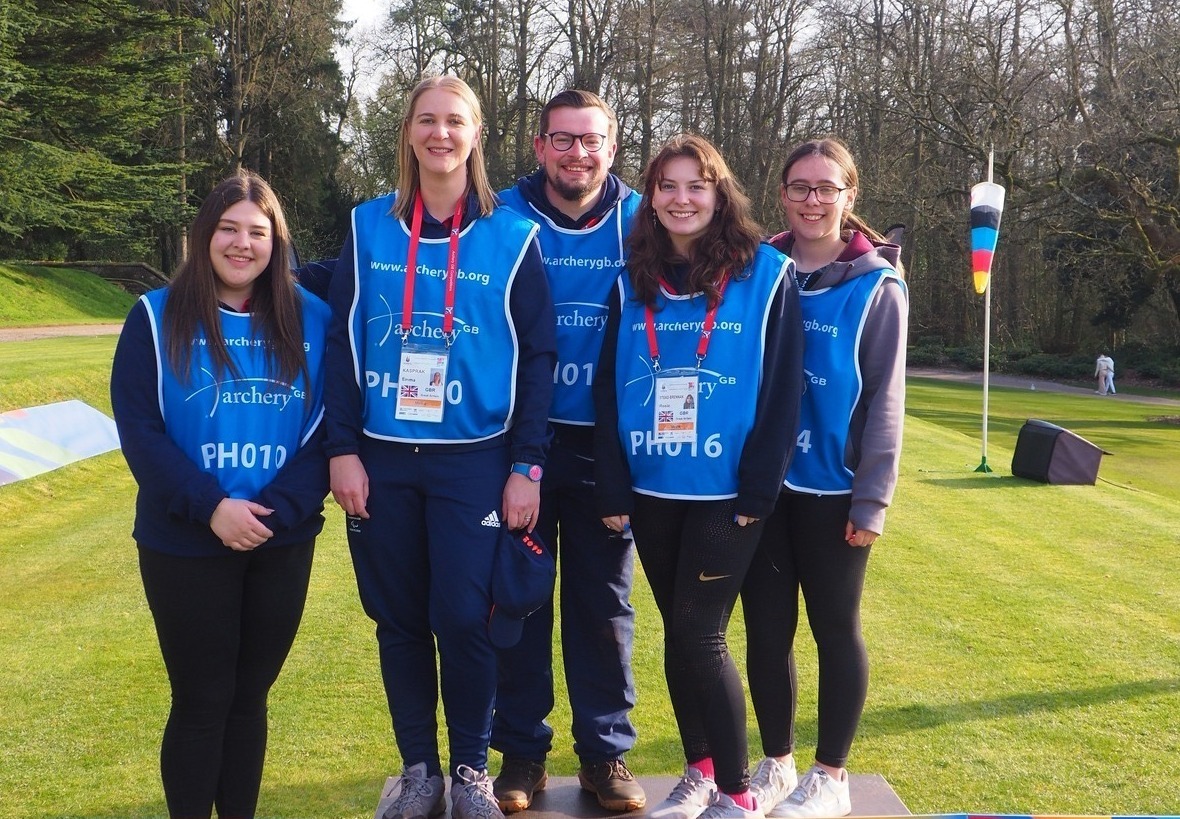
696 395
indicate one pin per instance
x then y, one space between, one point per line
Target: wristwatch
531 471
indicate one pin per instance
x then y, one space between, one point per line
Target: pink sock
705 766
745 799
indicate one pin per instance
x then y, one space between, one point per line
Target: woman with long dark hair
217 389
696 397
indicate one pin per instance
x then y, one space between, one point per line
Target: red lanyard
452 272
653 347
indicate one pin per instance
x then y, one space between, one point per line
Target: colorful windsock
987 203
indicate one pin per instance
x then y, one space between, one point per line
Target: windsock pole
987 346
987 205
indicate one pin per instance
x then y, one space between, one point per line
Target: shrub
1052 366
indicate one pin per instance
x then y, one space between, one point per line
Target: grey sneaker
818 794
773 781
724 807
419 796
472 796
692 794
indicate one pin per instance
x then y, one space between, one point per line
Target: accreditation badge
676 406
422 384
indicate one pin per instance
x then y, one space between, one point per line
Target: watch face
535 473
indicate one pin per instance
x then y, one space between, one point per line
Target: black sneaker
614 785
519 779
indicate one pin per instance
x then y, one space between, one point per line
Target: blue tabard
730 379
241 430
582 266
481 374
833 319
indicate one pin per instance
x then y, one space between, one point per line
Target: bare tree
1080 100
1122 167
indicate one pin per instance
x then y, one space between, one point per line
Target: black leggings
695 557
803 547
225 626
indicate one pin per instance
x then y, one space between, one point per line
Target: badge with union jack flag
410 391
665 416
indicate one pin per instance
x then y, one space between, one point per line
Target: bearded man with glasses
585 213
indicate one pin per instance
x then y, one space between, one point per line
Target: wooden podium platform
563 798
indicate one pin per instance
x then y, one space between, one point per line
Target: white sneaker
724 807
773 781
818 794
692 794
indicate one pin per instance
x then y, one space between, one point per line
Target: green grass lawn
1025 638
33 295
1143 439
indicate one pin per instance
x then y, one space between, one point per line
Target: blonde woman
436 278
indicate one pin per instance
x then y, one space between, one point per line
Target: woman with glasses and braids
841 479
696 398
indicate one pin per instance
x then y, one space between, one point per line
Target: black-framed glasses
824 194
564 140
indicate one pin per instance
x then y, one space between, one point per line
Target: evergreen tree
79 174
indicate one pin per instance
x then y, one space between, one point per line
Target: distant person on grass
1104 372
832 506
217 390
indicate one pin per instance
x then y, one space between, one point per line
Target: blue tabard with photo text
729 382
241 429
481 374
833 319
582 266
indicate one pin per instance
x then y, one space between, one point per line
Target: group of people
614 371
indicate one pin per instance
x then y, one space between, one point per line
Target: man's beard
575 191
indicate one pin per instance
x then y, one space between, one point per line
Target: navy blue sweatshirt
176 498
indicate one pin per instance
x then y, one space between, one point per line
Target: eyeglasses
824 194
563 140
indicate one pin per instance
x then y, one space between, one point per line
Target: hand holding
237 523
617 523
522 502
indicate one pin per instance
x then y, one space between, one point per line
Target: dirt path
29 333
1032 384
